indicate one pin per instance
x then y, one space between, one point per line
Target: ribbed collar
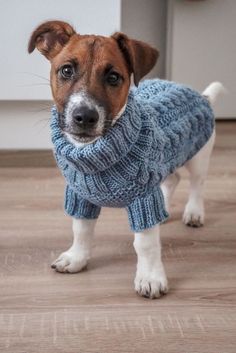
107 150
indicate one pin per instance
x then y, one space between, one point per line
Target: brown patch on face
94 58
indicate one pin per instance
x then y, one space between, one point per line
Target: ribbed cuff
79 208
147 211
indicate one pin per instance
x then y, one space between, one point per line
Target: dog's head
90 75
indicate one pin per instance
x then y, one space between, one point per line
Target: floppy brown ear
140 57
50 37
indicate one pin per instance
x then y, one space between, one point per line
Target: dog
90 81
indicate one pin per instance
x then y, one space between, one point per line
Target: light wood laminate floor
97 311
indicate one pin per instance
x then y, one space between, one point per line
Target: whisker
42 120
34 84
32 74
40 110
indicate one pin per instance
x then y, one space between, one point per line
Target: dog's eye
67 71
113 78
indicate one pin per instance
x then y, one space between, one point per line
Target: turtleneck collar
108 149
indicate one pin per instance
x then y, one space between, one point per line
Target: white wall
146 20
25 125
201 47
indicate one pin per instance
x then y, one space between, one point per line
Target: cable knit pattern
164 125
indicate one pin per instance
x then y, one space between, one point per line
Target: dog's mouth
83 137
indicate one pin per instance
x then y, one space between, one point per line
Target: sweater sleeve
78 207
147 211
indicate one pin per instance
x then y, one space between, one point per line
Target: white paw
70 261
194 214
151 285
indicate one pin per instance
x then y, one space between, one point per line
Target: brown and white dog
90 81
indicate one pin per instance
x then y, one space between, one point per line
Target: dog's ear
140 57
50 37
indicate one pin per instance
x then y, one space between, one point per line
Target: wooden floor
97 310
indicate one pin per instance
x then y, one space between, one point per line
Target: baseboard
45 158
26 158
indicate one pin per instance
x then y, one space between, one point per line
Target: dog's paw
70 262
151 286
193 215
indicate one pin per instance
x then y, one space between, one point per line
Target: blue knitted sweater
164 125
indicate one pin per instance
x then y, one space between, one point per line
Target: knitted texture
164 125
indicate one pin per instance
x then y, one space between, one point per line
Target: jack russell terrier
121 147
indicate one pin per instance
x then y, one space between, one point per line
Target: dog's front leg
150 280
77 256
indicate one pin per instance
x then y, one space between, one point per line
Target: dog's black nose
85 117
